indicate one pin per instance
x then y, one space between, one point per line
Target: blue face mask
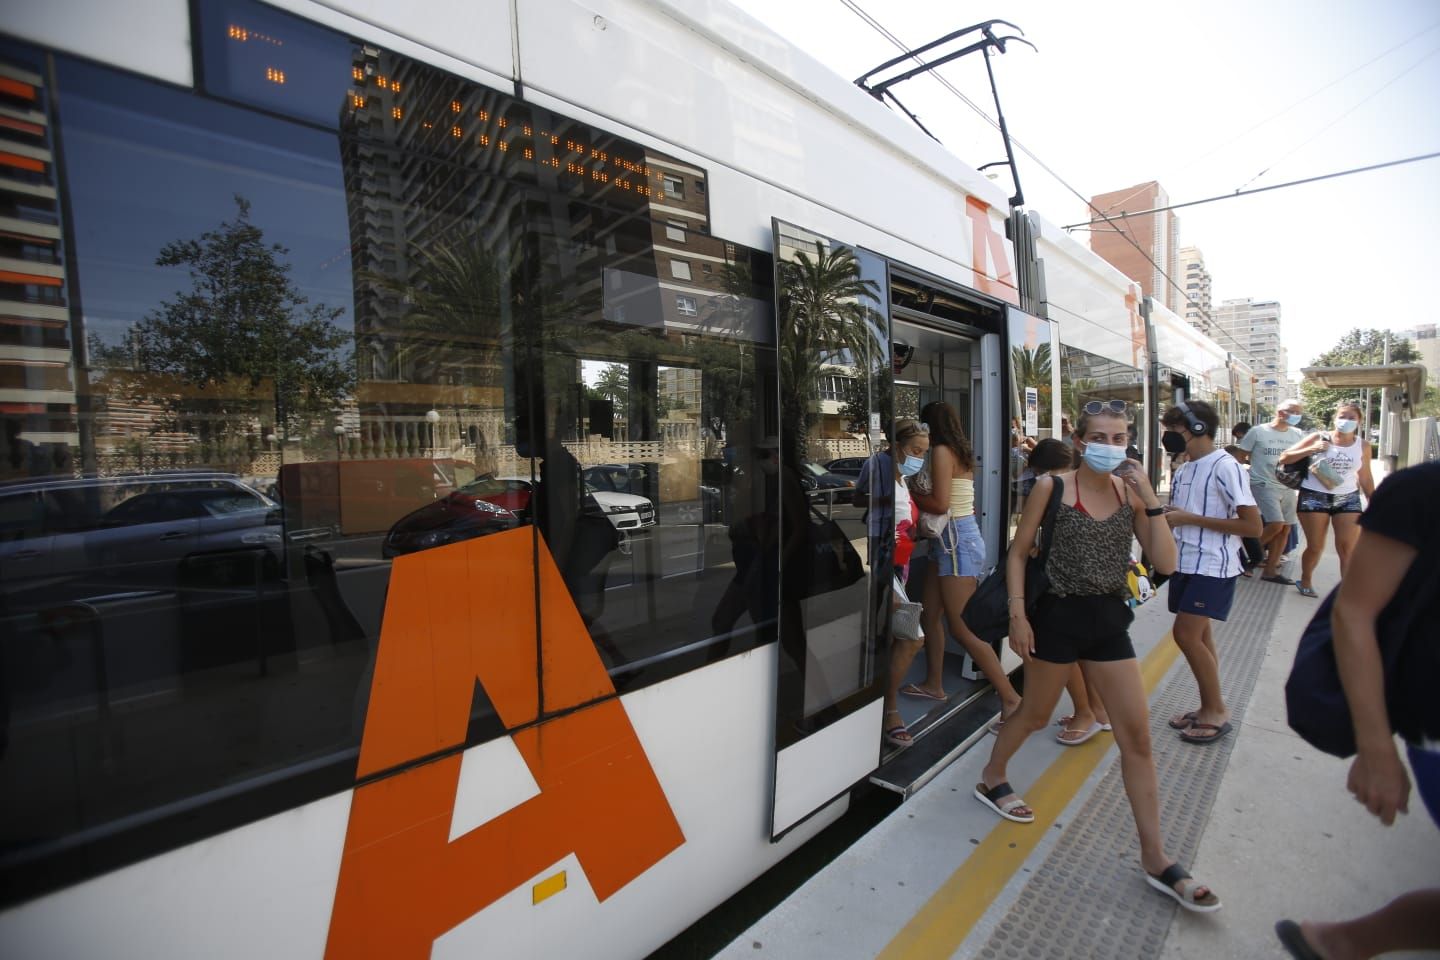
1293 419
1346 426
911 466
1103 458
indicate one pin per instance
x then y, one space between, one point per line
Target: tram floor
1261 816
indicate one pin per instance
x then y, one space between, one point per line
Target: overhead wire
879 28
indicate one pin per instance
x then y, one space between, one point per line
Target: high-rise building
1196 280
37 374
1251 329
1426 339
1157 234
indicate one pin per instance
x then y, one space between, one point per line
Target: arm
1377 777
1247 524
1152 532
1303 449
1022 638
942 468
1241 454
1366 478
1247 445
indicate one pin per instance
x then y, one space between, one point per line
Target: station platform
1261 817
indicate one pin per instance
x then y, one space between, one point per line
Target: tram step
912 768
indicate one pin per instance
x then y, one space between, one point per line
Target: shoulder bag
988 612
1315 704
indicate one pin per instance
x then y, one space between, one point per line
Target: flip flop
1294 941
991 797
1220 731
1065 722
1306 591
1165 881
1186 720
899 734
1279 579
1085 734
914 690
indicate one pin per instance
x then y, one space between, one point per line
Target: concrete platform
942 876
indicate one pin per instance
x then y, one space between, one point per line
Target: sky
1202 97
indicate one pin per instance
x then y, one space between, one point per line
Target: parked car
625 511
130 530
460 516
847 466
828 486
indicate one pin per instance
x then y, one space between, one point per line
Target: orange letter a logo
454 616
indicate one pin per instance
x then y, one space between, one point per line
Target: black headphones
1194 423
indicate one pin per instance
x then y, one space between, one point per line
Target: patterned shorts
1313 501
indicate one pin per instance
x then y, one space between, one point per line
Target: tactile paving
1089 898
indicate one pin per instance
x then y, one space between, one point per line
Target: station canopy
1409 378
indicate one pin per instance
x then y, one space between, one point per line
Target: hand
1379 781
1022 638
1133 477
1179 518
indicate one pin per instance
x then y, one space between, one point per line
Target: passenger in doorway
1084 618
1211 508
912 442
1087 715
1262 447
1067 431
1400 536
1254 555
1330 494
957 558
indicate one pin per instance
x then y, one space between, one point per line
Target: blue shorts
961 549
1425 764
1203 596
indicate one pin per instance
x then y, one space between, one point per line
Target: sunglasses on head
1096 407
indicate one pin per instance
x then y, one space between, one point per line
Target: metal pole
1385 413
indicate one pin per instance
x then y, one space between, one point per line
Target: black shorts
1082 628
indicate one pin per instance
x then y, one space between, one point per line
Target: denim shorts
1313 501
961 549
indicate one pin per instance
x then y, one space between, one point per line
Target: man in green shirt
1261 448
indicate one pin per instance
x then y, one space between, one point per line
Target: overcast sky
1125 91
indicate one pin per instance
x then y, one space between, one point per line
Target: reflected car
625 511
133 529
826 485
847 466
452 519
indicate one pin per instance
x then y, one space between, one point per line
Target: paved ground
1284 838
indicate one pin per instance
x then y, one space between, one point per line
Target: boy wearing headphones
1211 509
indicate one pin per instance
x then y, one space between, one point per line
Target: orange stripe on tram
454 616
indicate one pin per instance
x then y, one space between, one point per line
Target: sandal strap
1000 789
1172 875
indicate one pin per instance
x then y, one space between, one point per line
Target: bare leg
1273 539
1347 531
1043 683
1315 526
956 593
1197 643
931 615
902 654
1410 922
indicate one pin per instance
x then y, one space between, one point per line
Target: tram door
833 340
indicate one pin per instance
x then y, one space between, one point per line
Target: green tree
242 326
1357 348
613 384
1032 369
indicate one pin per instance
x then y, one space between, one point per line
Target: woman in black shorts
1330 493
1084 617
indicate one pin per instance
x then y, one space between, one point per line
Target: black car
832 487
847 466
458 517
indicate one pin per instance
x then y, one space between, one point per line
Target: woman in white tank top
1330 494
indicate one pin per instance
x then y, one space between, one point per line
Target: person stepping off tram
1084 617
1211 509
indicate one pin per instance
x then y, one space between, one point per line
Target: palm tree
823 318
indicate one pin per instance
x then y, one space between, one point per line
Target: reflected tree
241 331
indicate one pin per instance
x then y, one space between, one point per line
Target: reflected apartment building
37 372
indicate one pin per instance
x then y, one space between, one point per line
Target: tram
410 539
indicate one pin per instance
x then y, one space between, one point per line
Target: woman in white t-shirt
1330 494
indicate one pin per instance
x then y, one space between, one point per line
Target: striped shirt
1213 486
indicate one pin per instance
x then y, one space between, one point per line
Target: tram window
656 517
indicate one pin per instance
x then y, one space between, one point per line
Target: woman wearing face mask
1084 617
912 440
1330 495
957 558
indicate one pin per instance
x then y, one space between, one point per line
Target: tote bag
988 612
